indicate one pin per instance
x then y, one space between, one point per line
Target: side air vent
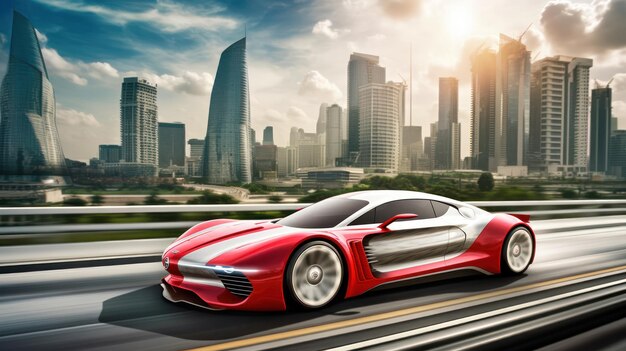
235 282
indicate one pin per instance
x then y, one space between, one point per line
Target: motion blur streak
120 306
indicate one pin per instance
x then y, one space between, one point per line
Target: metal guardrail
547 209
13 211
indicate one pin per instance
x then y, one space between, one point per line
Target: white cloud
316 86
56 64
167 16
191 83
325 27
74 118
41 37
75 72
101 70
293 116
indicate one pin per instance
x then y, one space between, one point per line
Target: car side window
440 208
422 208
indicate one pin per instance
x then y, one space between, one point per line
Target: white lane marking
431 328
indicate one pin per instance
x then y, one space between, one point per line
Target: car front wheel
314 275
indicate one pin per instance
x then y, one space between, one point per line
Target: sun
459 22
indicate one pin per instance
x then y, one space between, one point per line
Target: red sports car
339 248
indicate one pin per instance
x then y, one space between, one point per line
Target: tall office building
171 144
139 121
268 135
600 129
412 147
483 112
333 134
196 147
29 141
560 105
448 116
110 153
310 153
617 154
362 69
455 147
512 102
380 111
320 127
228 151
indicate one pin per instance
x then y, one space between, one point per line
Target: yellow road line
393 314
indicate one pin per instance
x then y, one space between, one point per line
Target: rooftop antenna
245 30
410 84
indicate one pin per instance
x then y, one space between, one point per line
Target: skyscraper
512 102
268 135
380 110
29 141
110 153
227 154
320 126
333 133
171 144
448 116
362 69
483 118
139 121
600 129
196 147
559 106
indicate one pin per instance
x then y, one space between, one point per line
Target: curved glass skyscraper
29 141
227 148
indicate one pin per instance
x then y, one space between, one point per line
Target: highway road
120 307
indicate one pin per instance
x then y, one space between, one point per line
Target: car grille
235 282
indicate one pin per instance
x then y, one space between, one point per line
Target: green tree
154 199
209 197
569 194
97 199
74 201
485 182
274 199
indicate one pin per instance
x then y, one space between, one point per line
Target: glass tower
29 141
227 154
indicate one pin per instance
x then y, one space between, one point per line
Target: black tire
301 276
516 260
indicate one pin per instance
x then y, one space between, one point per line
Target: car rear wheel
517 251
314 275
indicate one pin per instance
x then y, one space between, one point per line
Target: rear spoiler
522 217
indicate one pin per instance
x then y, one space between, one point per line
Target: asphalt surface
120 307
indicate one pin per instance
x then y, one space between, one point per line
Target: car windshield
324 214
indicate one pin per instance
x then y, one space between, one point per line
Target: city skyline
289 78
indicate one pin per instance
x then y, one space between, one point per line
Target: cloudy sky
297 53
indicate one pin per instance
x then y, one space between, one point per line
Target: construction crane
524 32
610 81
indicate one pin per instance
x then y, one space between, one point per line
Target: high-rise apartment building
29 141
139 121
333 134
196 147
512 102
600 130
268 135
412 147
560 110
171 144
447 146
228 151
483 112
380 112
362 69
617 154
110 153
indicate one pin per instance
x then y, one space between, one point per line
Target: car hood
209 243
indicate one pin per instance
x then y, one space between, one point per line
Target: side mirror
386 223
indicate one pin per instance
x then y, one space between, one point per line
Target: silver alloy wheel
519 250
316 276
